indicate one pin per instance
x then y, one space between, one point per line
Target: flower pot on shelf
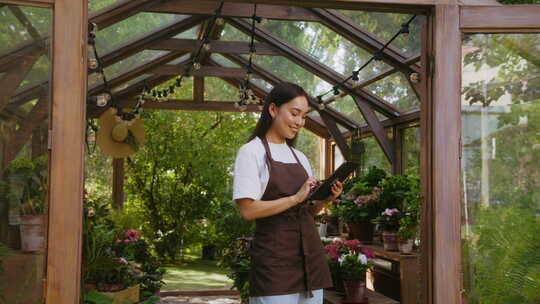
355 292
332 225
32 233
361 231
406 246
390 240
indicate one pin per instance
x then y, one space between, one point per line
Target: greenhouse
120 123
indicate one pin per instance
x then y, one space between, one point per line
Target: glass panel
230 33
180 59
385 25
411 150
23 184
189 34
347 107
309 144
289 71
338 157
132 28
374 156
132 63
500 173
13 34
95 5
218 89
222 60
127 84
395 89
326 46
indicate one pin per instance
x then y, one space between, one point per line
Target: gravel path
201 300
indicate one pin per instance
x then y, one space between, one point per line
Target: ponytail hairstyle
281 94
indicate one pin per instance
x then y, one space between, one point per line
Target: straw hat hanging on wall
119 138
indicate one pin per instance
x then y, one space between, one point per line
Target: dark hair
281 94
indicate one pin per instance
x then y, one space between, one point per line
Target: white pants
295 298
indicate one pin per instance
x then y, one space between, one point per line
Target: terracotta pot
390 240
406 246
32 233
361 231
355 291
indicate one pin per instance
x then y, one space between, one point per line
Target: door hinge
49 140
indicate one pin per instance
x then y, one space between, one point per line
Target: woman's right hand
304 191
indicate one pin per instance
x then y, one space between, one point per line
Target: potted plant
406 234
353 266
389 222
27 188
359 204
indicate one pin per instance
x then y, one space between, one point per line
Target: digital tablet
341 174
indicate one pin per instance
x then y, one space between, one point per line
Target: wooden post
118 183
445 149
67 151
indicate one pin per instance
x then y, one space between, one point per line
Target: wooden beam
216 46
390 6
66 165
315 67
407 119
209 71
506 18
445 149
23 19
36 3
118 183
119 11
198 89
347 28
336 134
204 7
377 129
12 80
132 47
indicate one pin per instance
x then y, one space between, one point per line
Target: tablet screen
341 174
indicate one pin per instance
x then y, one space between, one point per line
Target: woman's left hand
337 188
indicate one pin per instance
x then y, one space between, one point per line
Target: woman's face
288 119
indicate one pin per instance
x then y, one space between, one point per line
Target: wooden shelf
390 255
332 297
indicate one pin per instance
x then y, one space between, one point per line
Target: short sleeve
247 181
305 162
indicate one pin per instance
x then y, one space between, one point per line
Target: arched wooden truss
439 115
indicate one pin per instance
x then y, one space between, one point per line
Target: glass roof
127 84
223 61
396 90
132 62
189 34
95 5
230 33
385 25
134 27
347 107
326 46
219 90
287 70
14 35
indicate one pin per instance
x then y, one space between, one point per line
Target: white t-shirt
251 172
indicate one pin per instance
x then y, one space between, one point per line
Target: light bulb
220 21
93 63
196 65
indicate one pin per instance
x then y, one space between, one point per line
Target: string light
378 55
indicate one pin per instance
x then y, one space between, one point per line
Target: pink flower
336 201
353 244
331 251
132 233
368 253
118 241
126 241
390 212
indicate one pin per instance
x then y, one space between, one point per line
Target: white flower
363 259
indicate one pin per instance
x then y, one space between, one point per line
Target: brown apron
287 255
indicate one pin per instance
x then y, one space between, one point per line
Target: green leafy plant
236 258
27 185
